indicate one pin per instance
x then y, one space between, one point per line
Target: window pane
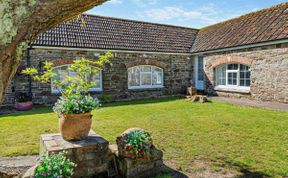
242 82
146 79
200 69
244 67
248 83
232 78
232 66
97 79
134 76
61 74
157 76
221 75
145 68
244 75
145 76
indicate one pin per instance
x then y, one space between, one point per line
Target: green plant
74 89
55 165
75 105
78 84
139 144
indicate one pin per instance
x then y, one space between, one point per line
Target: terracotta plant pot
74 127
24 106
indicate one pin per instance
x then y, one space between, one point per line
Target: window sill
146 88
56 92
233 89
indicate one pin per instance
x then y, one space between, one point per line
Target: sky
187 13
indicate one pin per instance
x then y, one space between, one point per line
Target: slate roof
265 25
119 34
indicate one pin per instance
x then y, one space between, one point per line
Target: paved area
253 103
15 166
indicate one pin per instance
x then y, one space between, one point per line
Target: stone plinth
90 155
130 168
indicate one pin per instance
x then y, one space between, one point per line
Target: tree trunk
30 19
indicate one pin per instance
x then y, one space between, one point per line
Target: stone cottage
242 57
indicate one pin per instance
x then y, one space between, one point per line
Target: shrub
55 165
76 104
139 144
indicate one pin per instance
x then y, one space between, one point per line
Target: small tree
78 84
74 89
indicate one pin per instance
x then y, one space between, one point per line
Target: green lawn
244 138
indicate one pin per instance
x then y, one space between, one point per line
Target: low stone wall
91 155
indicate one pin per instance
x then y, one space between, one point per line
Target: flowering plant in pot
137 144
23 101
75 104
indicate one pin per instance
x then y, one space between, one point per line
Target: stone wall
178 72
269 72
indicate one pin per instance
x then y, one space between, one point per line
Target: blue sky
189 13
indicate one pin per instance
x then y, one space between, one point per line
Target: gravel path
254 103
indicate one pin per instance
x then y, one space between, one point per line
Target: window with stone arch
233 75
62 72
145 76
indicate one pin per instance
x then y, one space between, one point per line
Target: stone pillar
90 155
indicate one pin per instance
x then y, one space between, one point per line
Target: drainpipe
28 61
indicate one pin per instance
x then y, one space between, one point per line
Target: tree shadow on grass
38 109
168 172
245 171
140 101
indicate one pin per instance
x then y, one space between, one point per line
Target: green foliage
78 84
74 89
139 144
55 165
76 105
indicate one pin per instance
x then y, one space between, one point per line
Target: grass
244 138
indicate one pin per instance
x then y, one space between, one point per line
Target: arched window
62 72
233 75
145 76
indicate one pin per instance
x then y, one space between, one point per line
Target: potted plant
137 144
23 101
75 104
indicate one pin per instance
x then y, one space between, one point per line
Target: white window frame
232 88
55 91
147 86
